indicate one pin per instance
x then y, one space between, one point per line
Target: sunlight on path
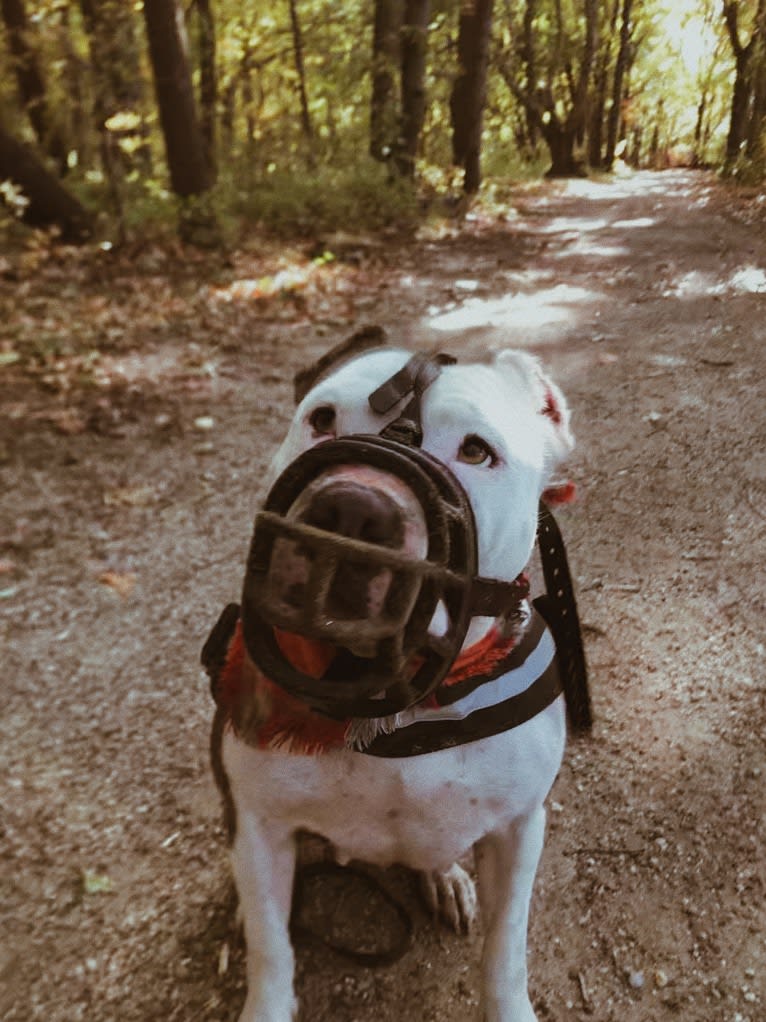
514 311
648 227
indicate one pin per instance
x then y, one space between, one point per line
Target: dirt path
125 519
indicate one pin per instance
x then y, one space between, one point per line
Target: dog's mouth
364 513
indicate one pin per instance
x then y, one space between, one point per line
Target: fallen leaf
96 883
68 421
122 583
223 959
130 496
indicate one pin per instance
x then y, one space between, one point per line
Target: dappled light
745 280
641 221
516 314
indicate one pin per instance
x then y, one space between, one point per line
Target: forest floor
141 395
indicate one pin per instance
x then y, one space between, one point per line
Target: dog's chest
424 811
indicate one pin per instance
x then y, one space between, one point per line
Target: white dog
500 429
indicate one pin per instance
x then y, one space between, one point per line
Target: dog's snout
357 512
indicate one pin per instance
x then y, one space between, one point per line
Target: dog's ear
546 397
365 339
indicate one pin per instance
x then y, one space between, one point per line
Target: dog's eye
475 451
322 420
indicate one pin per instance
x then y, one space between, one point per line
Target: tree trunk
597 105
699 124
30 82
655 154
118 91
596 126
623 57
745 76
756 127
560 140
755 143
469 93
190 171
740 108
208 80
49 202
414 44
248 103
308 131
528 55
386 59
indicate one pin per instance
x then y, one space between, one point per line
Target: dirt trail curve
647 297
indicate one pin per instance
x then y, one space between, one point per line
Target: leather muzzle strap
559 608
414 378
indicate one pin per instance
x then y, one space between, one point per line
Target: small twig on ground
586 1001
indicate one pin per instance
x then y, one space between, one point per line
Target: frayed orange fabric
479 658
279 719
275 719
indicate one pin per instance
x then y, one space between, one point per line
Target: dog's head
488 438
501 427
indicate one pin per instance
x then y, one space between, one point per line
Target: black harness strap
559 608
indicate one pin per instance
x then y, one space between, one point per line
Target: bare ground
128 483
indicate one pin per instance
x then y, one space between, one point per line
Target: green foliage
363 195
275 170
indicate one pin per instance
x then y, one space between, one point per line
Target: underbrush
364 196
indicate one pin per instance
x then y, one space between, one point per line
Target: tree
530 66
118 90
48 202
556 98
208 78
745 55
31 83
620 69
190 170
709 85
469 92
598 102
386 63
414 45
300 71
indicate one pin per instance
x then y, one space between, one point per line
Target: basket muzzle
379 572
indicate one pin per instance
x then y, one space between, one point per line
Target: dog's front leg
263 862
506 862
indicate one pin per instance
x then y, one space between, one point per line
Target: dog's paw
452 897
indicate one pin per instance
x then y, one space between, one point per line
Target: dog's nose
357 512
